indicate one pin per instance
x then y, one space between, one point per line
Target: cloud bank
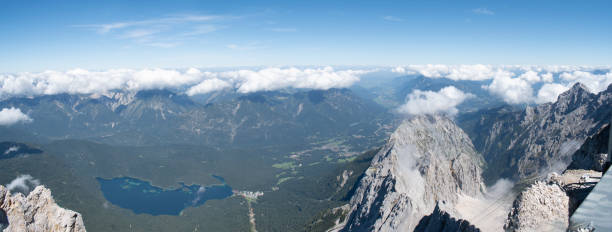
519 84
430 102
276 78
11 116
194 81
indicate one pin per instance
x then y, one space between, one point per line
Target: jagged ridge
37 212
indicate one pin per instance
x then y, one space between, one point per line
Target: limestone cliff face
427 161
36 212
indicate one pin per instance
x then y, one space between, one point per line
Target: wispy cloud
109 27
283 29
168 31
393 18
162 44
139 33
483 11
248 46
201 29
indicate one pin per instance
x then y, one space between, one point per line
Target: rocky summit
37 212
427 163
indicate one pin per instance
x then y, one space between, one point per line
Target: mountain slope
540 139
163 117
428 161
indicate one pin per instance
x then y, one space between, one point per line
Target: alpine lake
142 197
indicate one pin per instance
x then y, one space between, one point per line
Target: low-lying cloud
23 184
11 116
519 84
453 72
207 86
277 78
512 90
193 81
430 102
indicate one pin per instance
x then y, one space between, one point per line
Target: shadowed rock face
440 221
592 155
427 160
3 220
36 212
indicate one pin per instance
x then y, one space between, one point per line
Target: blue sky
62 35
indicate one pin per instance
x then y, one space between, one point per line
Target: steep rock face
427 160
36 212
523 143
440 221
541 207
593 153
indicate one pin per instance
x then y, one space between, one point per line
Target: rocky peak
427 160
576 96
36 212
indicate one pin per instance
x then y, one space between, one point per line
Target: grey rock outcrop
427 160
37 212
541 207
537 140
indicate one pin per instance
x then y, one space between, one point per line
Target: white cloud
547 77
512 90
393 18
80 81
595 83
454 72
208 86
277 78
11 116
514 82
430 102
550 92
11 149
23 184
483 11
530 76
